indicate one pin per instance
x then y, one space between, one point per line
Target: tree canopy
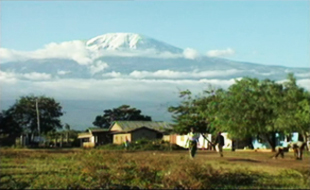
122 113
248 108
24 114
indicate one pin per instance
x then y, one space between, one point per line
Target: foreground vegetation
112 169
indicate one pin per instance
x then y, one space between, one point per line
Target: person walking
280 151
126 143
192 140
220 142
298 148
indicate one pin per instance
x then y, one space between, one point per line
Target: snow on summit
129 41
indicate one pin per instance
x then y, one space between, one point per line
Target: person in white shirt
192 140
297 147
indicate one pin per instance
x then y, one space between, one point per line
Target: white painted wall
228 142
181 141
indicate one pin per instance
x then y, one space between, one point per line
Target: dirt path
243 158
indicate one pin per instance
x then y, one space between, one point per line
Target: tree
251 108
24 114
122 113
9 129
295 115
191 112
67 127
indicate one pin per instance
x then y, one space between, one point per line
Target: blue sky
266 32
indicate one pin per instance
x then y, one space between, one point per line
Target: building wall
181 140
228 141
143 133
120 138
203 143
88 144
102 138
166 138
281 140
116 127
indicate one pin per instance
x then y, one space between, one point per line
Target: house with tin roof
94 137
135 130
119 131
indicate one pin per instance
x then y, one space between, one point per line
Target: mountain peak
128 41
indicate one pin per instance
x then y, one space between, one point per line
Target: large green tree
295 116
251 108
193 112
9 129
26 110
122 113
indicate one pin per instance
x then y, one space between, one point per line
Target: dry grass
95 169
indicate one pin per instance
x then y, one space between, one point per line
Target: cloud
7 77
79 52
118 88
75 50
221 53
37 76
191 53
97 67
302 75
112 74
305 83
178 74
14 77
63 72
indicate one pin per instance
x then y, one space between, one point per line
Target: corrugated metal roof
98 129
131 125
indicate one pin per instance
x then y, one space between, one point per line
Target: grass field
110 169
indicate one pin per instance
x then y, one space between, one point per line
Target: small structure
281 140
94 137
135 130
180 140
120 130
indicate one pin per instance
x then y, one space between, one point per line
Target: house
120 130
94 136
135 130
281 140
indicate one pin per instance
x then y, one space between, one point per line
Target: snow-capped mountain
128 41
126 54
106 71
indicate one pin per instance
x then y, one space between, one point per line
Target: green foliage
25 115
249 108
122 113
191 112
22 116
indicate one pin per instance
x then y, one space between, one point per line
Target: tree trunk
305 137
67 137
61 140
271 140
233 145
56 139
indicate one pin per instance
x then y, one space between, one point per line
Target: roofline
114 122
145 128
